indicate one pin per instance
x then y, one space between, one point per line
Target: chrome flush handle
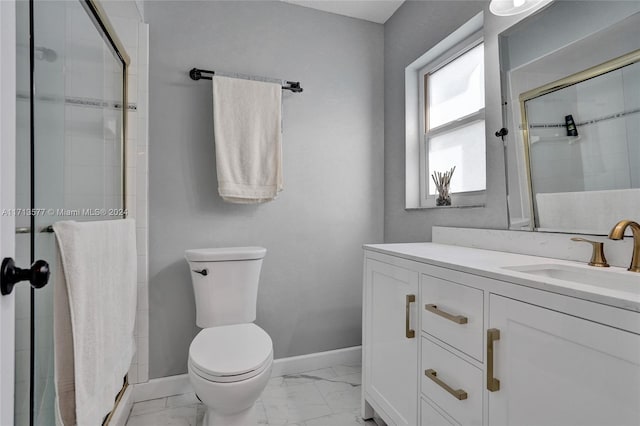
203 272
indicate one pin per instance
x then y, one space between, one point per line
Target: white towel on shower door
248 139
99 275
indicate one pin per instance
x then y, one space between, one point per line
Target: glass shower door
70 165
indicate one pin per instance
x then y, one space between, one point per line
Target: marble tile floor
325 397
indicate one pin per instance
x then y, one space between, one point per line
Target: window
452 119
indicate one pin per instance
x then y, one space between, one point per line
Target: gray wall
415 28
310 290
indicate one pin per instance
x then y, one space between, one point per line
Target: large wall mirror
571 91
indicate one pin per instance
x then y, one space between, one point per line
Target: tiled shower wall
134 34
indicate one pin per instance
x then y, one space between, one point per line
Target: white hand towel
248 139
99 276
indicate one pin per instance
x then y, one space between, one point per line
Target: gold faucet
617 233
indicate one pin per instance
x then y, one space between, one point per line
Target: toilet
230 359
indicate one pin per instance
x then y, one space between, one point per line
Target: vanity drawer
429 416
453 313
451 383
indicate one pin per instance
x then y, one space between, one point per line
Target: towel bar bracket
10 275
195 74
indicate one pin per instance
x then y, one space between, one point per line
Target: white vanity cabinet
491 352
556 369
390 341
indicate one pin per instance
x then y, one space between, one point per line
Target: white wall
7 194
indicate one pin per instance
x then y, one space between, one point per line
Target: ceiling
370 10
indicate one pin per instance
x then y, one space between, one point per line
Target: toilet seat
229 379
230 353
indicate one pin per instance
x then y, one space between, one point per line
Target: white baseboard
177 385
316 361
162 387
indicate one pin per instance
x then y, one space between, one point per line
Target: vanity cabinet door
557 369
390 342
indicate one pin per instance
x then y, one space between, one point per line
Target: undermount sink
590 276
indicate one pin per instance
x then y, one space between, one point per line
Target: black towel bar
196 74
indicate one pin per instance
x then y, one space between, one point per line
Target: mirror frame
589 73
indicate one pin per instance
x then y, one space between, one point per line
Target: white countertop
490 264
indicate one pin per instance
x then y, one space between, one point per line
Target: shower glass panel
71 90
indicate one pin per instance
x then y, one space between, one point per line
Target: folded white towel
99 283
248 139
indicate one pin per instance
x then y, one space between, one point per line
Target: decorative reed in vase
443 183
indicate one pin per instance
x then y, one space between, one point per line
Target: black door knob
10 275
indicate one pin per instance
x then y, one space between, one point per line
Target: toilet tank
225 284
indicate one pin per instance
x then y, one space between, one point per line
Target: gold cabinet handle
457 393
408 331
458 319
493 384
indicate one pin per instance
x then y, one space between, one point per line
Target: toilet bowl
229 367
230 359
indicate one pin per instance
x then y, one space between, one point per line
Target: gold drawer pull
458 319
493 384
457 393
407 326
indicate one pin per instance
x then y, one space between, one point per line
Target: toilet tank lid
224 254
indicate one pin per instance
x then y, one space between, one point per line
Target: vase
443 200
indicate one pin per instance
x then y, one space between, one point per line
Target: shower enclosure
71 116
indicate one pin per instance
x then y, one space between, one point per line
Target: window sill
469 206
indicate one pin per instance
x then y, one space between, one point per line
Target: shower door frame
97 14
